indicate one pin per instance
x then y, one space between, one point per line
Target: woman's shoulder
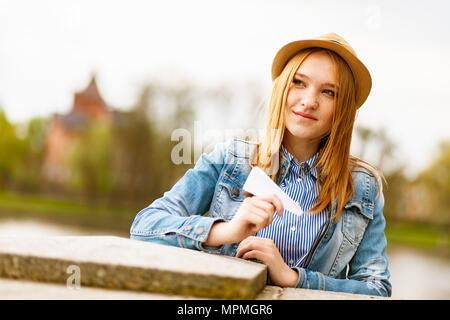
367 180
240 148
364 170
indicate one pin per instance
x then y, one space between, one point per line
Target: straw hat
335 43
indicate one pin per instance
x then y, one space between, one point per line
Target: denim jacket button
199 231
236 191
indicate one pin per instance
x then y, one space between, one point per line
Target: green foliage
429 236
435 184
13 150
29 177
91 160
36 134
136 171
128 158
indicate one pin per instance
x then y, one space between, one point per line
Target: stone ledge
120 268
14 289
278 293
121 263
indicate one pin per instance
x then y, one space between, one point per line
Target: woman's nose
309 99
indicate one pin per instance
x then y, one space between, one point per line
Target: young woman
338 244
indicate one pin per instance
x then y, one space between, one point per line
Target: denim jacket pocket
355 220
230 197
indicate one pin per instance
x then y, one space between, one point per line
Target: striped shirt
294 235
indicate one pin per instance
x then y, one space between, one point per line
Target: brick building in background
88 106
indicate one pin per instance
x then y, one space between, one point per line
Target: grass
426 236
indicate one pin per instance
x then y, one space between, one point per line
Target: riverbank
66 212
118 220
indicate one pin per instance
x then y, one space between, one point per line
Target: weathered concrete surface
121 263
278 293
13 289
108 265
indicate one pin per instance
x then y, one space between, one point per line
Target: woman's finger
250 243
267 215
275 201
265 205
255 254
278 204
258 217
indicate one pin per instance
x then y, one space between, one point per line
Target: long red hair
334 164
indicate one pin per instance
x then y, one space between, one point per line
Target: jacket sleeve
177 218
368 270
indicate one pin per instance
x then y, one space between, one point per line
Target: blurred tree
182 116
13 150
434 185
396 196
91 161
377 145
365 135
143 167
29 177
136 172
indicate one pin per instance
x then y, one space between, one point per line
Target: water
415 274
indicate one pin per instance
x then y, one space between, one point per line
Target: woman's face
310 100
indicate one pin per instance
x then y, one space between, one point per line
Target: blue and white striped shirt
294 235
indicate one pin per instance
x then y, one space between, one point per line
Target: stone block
121 263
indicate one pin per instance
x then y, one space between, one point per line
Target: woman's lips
305 115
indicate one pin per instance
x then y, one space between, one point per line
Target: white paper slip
260 184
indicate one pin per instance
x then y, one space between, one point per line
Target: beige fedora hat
333 42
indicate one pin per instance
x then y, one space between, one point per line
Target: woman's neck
301 149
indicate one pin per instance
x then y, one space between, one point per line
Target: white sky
49 49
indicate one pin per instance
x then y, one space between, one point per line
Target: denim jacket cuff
301 276
197 228
210 249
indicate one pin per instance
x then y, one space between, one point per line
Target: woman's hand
267 252
254 214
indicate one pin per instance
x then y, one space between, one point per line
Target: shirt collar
308 165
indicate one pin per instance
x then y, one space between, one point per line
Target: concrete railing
106 267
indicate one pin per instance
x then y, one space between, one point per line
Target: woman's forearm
159 226
219 235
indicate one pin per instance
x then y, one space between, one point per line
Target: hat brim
363 80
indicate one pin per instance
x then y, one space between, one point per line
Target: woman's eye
329 92
298 82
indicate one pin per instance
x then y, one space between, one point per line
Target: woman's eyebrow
302 75
332 85
327 84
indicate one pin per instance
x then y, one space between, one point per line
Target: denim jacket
348 256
